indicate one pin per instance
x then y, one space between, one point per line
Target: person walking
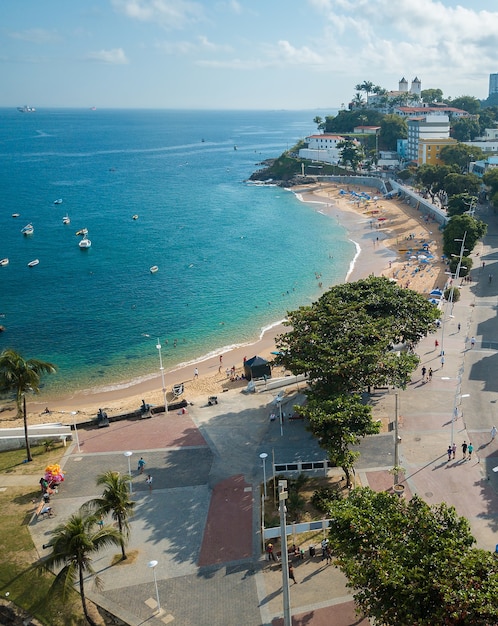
470 449
328 555
453 449
430 374
472 341
148 481
449 452
141 465
424 371
464 449
458 327
270 553
493 432
196 373
291 573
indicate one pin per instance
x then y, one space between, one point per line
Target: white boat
153 269
33 263
134 217
28 229
16 214
26 109
59 201
82 231
85 243
66 220
4 261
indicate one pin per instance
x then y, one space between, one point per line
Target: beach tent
257 367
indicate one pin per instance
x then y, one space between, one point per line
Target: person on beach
148 481
464 449
141 465
493 432
196 373
470 449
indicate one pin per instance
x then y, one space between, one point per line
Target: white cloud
36 35
116 56
170 14
202 44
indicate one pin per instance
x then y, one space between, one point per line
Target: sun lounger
178 390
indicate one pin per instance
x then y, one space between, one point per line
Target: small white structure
323 148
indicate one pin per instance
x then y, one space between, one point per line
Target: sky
239 54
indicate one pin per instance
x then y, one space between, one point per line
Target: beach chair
178 390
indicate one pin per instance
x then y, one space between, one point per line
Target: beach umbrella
434 301
422 257
436 292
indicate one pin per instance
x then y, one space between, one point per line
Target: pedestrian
449 451
436 344
328 555
291 573
221 359
196 373
325 543
470 449
493 432
453 449
458 327
148 481
472 342
455 414
490 278
430 374
141 465
270 553
464 449
424 371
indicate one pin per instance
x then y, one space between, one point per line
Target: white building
322 148
425 109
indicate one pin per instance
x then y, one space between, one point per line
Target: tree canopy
344 340
455 231
410 563
460 155
351 153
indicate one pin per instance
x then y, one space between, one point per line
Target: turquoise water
233 258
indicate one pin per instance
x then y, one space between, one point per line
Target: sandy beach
386 233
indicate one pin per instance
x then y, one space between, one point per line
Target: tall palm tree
19 375
115 501
73 543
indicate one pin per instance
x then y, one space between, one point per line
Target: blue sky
239 54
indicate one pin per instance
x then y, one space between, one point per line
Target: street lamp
279 402
158 346
152 564
282 496
74 413
454 417
128 454
263 456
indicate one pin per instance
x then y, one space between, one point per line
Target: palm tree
73 543
20 376
114 501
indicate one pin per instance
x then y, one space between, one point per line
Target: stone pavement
201 520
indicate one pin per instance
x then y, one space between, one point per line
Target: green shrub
321 498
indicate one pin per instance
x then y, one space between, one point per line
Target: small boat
16 215
134 217
26 109
85 243
33 263
59 201
66 220
4 261
28 229
82 231
153 269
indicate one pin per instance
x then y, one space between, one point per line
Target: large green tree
392 128
460 155
432 96
461 183
467 103
74 543
410 563
344 340
19 375
465 129
461 203
457 227
351 153
115 501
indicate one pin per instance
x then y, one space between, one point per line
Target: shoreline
380 237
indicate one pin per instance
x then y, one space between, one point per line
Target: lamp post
158 346
454 416
263 456
279 401
396 439
73 413
128 454
153 564
282 494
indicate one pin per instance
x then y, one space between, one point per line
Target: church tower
403 85
416 88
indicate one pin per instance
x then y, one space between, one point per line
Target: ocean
232 257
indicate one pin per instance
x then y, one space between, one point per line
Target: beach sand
385 231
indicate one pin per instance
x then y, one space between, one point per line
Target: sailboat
28 229
66 220
85 243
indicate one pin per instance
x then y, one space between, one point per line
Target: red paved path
228 531
338 615
142 434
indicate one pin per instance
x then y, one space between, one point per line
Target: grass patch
25 586
14 461
131 557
